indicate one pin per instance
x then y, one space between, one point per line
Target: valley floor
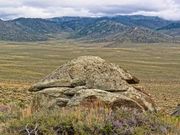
156 65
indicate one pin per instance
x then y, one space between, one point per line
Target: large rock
89 79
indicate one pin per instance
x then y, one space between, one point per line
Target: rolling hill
138 29
172 29
11 32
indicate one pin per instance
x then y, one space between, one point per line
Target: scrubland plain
156 65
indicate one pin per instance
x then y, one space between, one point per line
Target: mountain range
136 29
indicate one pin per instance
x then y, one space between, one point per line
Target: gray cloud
168 9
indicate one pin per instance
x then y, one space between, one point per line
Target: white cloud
169 9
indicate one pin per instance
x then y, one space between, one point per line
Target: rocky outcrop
89 79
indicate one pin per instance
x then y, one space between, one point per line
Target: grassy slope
157 66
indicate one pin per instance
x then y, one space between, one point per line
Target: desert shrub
13 112
95 121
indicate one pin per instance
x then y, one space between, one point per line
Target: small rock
176 112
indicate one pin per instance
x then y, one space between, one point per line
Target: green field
156 65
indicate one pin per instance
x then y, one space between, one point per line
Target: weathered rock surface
88 79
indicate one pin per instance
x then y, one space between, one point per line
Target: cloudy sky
10 9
